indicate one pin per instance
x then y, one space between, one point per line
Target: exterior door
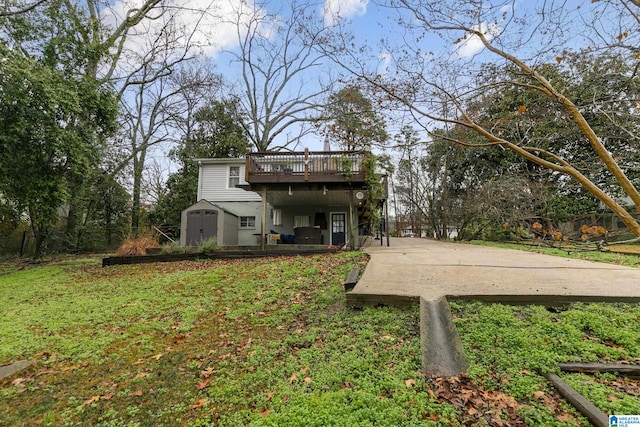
338 228
201 225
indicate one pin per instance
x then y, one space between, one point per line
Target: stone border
8 370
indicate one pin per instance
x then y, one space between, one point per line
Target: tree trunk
138 168
40 236
445 197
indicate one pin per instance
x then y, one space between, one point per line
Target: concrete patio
411 268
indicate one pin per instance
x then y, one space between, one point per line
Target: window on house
276 216
301 221
247 222
234 176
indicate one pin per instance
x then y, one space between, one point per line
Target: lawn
269 342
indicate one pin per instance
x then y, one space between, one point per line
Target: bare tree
439 87
155 114
12 9
160 85
280 73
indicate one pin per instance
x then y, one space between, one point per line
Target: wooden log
585 407
633 370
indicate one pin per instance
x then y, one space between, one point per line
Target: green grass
568 251
264 342
508 346
269 342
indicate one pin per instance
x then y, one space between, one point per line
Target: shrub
208 245
137 246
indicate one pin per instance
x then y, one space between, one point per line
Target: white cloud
334 10
385 59
473 45
205 25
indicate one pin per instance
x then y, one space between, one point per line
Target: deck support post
352 232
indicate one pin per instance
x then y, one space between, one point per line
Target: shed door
201 225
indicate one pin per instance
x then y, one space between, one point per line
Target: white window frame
233 177
248 220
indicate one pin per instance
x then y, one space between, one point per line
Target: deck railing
307 166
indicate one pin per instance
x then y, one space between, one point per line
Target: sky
206 23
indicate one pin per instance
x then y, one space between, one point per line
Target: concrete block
442 352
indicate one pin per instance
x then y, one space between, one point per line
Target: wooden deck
306 167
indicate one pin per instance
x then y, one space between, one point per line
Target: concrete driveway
411 267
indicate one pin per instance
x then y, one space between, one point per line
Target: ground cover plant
627 255
269 342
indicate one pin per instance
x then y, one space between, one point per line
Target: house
305 198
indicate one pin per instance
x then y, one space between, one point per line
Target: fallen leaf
107 396
410 382
200 404
613 397
564 417
158 356
204 384
18 381
139 361
266 412
539 395
293 378
90 401
141 375
522 109
137 393
307 380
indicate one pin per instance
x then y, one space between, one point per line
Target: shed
204 220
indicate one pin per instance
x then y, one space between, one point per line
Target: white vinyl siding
214 185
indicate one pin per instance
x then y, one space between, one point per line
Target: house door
201 225
338 228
